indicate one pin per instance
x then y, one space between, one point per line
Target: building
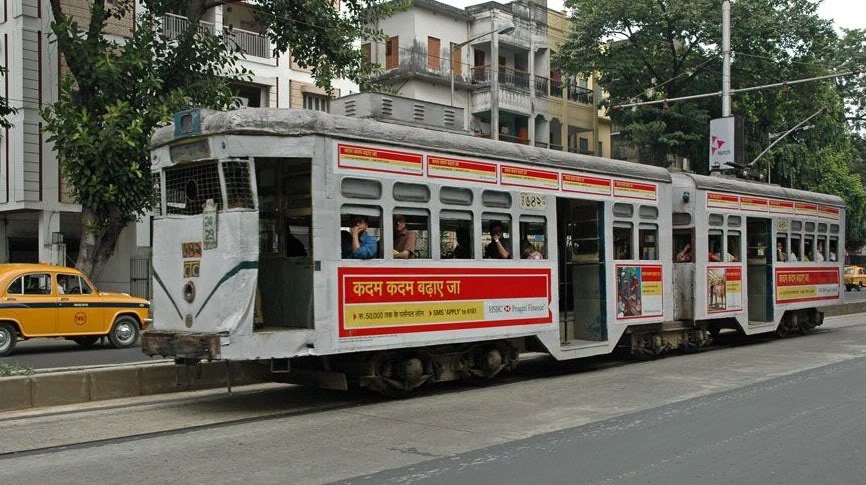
39 221
503 78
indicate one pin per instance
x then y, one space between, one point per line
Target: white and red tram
253 255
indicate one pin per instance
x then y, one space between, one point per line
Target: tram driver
499 247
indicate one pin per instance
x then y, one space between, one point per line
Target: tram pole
726 58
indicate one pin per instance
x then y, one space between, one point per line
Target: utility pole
726 59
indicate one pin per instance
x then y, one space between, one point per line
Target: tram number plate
532 201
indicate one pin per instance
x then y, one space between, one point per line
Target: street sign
726 143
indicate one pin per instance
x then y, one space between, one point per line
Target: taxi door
78 310
33 303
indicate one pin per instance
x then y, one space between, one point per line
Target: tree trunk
98 241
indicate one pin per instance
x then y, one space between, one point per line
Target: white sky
850 14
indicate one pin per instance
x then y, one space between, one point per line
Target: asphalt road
53 353
759 410
804 429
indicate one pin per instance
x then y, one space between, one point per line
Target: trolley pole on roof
726 58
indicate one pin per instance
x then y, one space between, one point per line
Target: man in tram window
528 251
819 255
404 239
780 252
499 247
463 249
364 246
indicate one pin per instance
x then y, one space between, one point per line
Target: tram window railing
533 237
623 210
648 212
834 228
648 242
822 228
455 235
796 226
810 226
496 236
355 188
360 232
455 196
411 233
733 250
239 189
496 199
622 240
681 219
716 220
735 221
189 187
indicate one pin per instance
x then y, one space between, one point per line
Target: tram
342 251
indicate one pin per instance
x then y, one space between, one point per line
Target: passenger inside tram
780 250
682 246
528 251
714 255
364 246
819 255
404 239
499 247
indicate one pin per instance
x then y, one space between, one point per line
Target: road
755 411
52 353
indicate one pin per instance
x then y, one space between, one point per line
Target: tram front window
622 246
714 245
683 245
733 246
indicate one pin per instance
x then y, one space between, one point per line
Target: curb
112 382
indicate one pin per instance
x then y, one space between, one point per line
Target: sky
849 14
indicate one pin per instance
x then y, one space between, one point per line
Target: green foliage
120 90
657 49
5 110
15 369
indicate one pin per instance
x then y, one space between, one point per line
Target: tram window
716 220
495 198
822 228
496 236
411 234
735 221
821 249
808 248
188 188
455 238
623 210
622 240
360 232
834 250
810 226
455 196
756 243
239 191
795 254
834 228
796 226
714 245
361 188
648 241
411 192
683 245
733 250
681 219
533 237
648 212
781 248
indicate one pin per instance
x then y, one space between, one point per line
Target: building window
600 151
367 53
316 102
584 145
456 60
392 53
433 58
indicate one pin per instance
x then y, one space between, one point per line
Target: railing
251 43
509 76
556 147
481 74
541 144
579 94
556 88
514 139
541 86
175 25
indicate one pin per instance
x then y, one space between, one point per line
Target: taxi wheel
8 339
124 333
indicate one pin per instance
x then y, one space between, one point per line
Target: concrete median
96 384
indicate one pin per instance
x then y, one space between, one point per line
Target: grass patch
16 369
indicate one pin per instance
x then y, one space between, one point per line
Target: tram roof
738 186
294 122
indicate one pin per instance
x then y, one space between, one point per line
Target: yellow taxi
855 277
41 300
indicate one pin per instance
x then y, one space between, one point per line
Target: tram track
316 401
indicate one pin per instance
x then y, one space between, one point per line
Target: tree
655 49
119 90
5 110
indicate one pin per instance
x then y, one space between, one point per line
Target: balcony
250 43
542 86
514 139
579 94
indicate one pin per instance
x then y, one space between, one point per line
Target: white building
36 211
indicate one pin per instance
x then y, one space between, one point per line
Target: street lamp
502 30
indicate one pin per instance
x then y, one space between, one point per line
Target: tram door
759 269
284 298
581 270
